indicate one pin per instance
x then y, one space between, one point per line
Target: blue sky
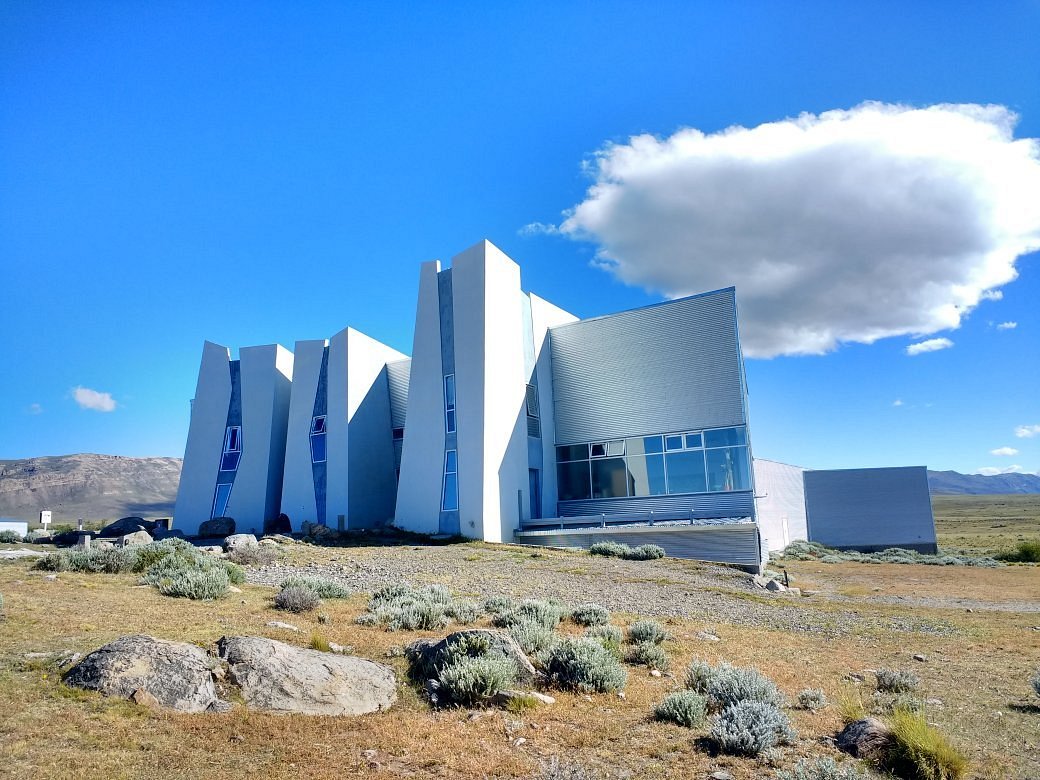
257 172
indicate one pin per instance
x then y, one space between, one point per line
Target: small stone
221 706
720 775
810 593
285 626
655 672
776 587
587 698
520 741
474 715
51 578
341 649
795 591
324 619
920 657
542 697
142 698
233 589
707 636
934 702
621 694
369 755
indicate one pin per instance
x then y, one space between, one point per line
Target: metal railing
674 517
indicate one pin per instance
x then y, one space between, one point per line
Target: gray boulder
126 525
868 738
280 525
236 541
277 677
176 674
218 526
427 656
137 537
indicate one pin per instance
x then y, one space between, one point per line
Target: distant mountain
92 487
954 483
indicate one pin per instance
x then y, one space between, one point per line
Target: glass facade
711 461
318 439
449 403
220 500
232 449
450 492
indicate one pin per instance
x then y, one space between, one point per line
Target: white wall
422 457
205 442
779 503
298 477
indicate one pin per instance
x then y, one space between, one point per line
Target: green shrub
749 728
647 631
583 665
813 551
697 675
400 608
608 636
907 702
609 549
542 613
249 555
296 598
532 637
590 615
420 615
389 595
921 752
321 587
1025 552
10 537
196 584
896 681
726 685
474 680
649 655
320 642
1036 682
822 769
436 594
812 699
463 611
645 552
686 708
496 605
98 560
368 619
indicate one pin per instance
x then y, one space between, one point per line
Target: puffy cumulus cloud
1008 451
1027 431
851 225
1007 326
93 399
929 345
898 402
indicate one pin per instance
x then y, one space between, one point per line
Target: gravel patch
662 588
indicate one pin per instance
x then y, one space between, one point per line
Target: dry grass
986 524
46 730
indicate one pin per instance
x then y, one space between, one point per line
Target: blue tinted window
673 443
693 441
609 478
229 462
318 448
728 469
573 481
220 500
318 425
450 503
646 475
449 420
572 452
653 444
724 437
451 461
686 472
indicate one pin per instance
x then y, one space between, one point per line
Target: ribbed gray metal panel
702 506
735 543
870 509
668 367
398 375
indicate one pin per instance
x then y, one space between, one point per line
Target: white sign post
45 518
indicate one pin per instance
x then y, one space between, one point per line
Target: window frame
450 418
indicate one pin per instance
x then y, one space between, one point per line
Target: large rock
427 656
868 738
236 541
175 673
218 526
126 525
277 677
137 537
280 525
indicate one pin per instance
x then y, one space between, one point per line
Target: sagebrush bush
749 728
609 549
1 604
247 555
368 619
920 752
400 608
496 605
532 637
473 680
645 552
649 655
421 615
905 701
555 769
608 636
10 537
583 665
542 613
813 551
1024 552
590 615
196 584
686 708
726 685
812 699
436 594
1036 682
896 681
462 611
98 560
647 631
321 587
296 598
822 769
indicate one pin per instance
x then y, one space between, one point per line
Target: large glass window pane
572 452
693 441
220 500
616 448
653 444
728 469
673 443
724 437
229 461
573 480
449 391
599 450
450 502
646 475
318 448
449 421
451 461
609 478
318 425
686 472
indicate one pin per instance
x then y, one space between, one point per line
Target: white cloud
855 225
1007 326
930 345
35 409
93 399
538 229
1027 431
897 402
1008 451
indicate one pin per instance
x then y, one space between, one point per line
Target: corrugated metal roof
398 374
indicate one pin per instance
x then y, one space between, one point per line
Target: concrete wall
298 496
780 503
870 509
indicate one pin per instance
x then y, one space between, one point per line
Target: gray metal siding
669 367
736 543
700 506
870 508
398 375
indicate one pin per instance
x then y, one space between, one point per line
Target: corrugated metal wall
735 543
669 367
397 376
870 509
702 505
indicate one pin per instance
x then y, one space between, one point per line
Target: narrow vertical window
534 424
318 439
232 449
450 493
220 500
449 403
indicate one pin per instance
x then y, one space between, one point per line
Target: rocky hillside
955 483
92 487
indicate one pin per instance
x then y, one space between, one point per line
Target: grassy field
986 524
979 660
